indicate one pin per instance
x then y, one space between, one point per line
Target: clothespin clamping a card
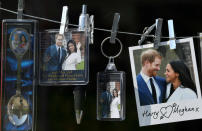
157 38
86 23
171 34
91 29
114 28
64 21
145 33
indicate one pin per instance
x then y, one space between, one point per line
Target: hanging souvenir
18 71
64 54
165 79
111 87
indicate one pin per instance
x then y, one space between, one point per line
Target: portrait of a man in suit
105 101
151 88
55 55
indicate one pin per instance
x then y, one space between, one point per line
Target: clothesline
99 29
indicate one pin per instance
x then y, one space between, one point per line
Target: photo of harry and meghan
174 83
58 58
109 101
19 41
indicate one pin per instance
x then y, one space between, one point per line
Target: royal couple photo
19 41
176 85
58 58
109 100
166 82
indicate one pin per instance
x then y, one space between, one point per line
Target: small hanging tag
111 90
171 34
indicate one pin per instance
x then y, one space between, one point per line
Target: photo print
109 102
64 58
166 82
18 41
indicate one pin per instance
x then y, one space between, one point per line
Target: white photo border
167 112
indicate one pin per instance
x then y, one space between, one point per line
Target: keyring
111 56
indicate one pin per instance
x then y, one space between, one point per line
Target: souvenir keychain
111 85
18 72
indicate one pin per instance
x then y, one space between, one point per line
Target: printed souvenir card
63 58
166 82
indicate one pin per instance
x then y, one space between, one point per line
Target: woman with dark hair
73 57
23 41
114 107
22 45
180 84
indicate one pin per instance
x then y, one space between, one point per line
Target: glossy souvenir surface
18 67
64 59
111 96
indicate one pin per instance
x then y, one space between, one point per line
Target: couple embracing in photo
176 86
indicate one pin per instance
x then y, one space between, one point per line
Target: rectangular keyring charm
111 96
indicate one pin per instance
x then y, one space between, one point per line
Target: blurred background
55 105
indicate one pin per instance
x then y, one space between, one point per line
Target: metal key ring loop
114 55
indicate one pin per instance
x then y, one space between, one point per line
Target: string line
99 29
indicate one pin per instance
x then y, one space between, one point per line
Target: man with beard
151 88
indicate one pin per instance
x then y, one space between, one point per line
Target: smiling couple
176 86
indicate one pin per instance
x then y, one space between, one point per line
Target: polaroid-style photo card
111 96
64 58
166 82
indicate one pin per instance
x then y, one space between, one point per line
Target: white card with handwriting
166 82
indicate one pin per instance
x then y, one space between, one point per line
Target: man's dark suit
145 95
51 58
106 99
